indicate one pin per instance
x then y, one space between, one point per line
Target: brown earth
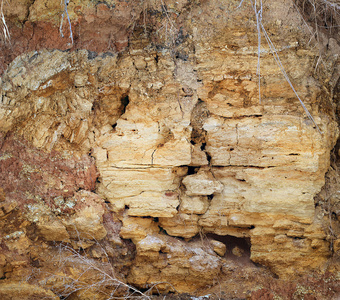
137 159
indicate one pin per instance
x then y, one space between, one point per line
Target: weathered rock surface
24 291
158 145
186 266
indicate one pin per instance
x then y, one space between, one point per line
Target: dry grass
78 273
164 27
323 17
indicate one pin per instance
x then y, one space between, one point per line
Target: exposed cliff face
163 142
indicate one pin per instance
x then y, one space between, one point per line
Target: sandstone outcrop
161 146
24 291
183 267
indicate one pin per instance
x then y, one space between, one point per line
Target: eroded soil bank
139 155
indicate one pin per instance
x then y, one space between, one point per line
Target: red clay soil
32 171
100 31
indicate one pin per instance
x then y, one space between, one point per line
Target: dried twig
66 2
261 29
4 29
104 272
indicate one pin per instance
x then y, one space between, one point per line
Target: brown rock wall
161 144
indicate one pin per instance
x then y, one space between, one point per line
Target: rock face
176 143
24 291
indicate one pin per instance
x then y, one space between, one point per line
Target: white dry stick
68 255
171 24
332 4
259 25
258 15
5 31
66 2
278 61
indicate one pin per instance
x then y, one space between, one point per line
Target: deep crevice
192 170
125 102
208 157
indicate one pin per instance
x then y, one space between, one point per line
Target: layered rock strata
181 145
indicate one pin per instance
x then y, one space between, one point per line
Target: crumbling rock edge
129 158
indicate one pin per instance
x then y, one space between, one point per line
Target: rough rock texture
96 25
181 266
24 291
165 141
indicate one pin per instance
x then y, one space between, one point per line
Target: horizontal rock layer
176 144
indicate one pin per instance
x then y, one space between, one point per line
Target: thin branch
106 277
332 4
66 2
5 32
278 61
259 27
258 15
